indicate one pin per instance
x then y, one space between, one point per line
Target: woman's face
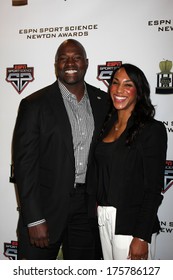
123 91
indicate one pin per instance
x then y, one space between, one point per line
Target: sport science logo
168 179
10 250
104 72
20 76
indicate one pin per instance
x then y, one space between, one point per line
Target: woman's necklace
116 128
119 127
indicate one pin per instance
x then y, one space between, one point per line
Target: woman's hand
138 249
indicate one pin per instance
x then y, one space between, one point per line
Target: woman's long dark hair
143 111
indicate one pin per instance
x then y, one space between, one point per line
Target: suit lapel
56 102
95 101
99 110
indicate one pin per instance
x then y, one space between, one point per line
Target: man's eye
62 58
77 57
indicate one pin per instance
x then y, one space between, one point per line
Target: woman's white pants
115 246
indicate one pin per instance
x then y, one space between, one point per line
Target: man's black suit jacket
44 164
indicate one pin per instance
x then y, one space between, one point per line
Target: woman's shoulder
155 125
155 130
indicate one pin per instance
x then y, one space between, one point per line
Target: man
51 151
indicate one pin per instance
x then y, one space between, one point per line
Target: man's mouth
71 71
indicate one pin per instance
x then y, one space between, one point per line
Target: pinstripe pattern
82 125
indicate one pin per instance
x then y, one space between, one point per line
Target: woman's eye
129 85
115 83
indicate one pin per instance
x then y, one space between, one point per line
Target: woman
130 161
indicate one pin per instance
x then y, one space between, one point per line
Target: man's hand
38 235
138 249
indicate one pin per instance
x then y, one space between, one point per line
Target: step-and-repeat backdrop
136 31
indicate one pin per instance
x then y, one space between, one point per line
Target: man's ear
56 73
87 62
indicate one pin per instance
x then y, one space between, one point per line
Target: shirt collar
66 94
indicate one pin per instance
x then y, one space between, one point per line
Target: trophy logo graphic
19 2
165 78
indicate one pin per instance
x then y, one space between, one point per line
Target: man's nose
70 61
